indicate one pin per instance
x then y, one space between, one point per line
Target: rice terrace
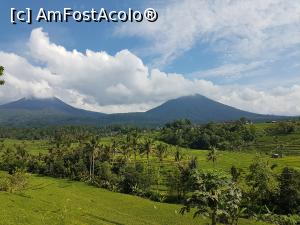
150 112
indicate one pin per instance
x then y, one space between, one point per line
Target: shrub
15 182
136 180
105 177
289 191
282 128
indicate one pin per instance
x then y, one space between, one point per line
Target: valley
61 188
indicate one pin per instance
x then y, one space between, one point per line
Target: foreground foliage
216 196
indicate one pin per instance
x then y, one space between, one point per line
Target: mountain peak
34 103
196 108
199 108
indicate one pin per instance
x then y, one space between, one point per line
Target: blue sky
96 36
239 52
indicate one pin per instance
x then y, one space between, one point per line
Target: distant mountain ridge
53 111
51 104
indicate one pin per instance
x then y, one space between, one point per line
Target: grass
227 159
58 201
34 147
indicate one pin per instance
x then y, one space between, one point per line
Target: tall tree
147 148
161 151
92 147
113 149
289 191
125 150
262 184
134 144
1 74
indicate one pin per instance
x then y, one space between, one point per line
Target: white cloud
114 82
248 29
23 79
121 83
228 70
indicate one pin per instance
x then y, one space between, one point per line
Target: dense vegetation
224 136
137 162
239 135
49 132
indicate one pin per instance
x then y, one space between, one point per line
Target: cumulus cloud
229 70
115 82
248 29
23 79
121 82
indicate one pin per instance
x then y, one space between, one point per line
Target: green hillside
122 165
56 201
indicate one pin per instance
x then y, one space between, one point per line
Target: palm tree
212 155
161 151
148 148
21 152
92 147
132 142
125 150
214 195
113 149
1 74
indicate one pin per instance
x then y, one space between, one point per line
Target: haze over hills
53 111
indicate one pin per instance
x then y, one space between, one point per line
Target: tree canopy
1 74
